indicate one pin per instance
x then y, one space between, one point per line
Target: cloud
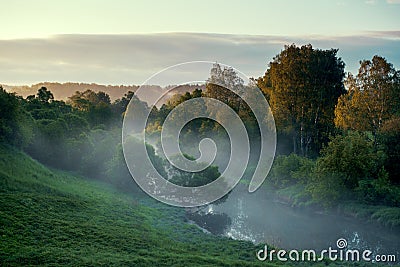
131 59
393 1
385 34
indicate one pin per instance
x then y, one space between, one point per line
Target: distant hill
62 91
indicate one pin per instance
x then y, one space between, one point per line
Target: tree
136 116
373 97
44 95
117 172
8 111
220 84
16 125
302 85
228 87
76 124
119 106
97 106
390 137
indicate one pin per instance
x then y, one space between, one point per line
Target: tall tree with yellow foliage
373 97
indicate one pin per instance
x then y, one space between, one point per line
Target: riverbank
297 197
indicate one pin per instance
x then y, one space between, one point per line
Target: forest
338 134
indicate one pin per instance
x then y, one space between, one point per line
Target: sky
124 42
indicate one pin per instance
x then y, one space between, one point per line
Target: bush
327 188
288 170
189 179
378 191
353 156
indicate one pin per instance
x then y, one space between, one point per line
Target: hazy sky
122 42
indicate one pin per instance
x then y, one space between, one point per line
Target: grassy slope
49 217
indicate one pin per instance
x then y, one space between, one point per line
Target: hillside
62 91
49 217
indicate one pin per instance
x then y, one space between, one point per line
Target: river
259 218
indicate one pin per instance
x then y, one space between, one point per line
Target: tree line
337 132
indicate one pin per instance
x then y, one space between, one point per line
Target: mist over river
259 217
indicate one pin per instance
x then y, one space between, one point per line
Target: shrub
353 156
327 188
378 191
288 170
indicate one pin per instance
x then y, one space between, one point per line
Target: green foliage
347 161
390 136
131 148
352 156
75 137
49 138
225 85
96 106
387 216
76 124
349 168
372 99
120 105
190 179
287 170
302 85
117 172
327 188
379 191
296 196
222 84
16 125
25 129
44 95
304 173
100 150
197 127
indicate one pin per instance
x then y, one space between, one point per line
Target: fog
262 218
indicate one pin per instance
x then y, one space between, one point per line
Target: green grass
387 216
296 196
50 217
